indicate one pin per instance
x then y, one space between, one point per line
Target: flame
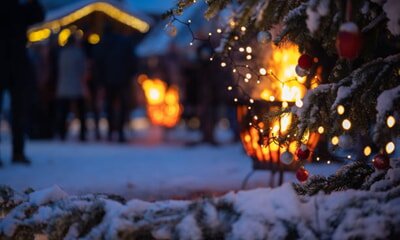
286 85
162 102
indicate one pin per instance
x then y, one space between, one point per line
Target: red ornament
305 61
381 161
302 152
348 41
302 175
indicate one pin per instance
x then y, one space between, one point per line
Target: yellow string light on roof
103 7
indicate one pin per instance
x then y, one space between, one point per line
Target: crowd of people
49 85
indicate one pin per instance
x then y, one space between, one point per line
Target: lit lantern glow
340 109
335 140
162 102
390 147
346 124
94 38
390 121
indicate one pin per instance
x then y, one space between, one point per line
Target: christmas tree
350 57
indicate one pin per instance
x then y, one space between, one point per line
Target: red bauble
381 161
302 175
302 152
305 61
348 41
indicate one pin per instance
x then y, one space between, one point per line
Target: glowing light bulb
249 49
249 57
241 49
346 124
243 29
223 64
263 71
219 30
271 98
390 147
248 75
299 103
285 104
367 151
230 88
340 109
251 100
321 130
335 140
390 121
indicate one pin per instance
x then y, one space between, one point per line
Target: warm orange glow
162 102
288 85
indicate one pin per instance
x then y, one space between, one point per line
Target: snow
392 9
314 13
144 168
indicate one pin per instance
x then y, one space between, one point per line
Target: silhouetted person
70 86
14 21
113 68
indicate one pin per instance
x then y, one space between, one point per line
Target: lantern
258 139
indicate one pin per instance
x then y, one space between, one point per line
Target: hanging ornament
381 161
302 175
170 30
348 40
301 72
287 157
264 37
305 61
345 141
302 152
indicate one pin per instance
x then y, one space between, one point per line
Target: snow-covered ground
148 167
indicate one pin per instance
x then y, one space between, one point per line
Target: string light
390 121
263 71
241 49
249 49
219 30
335 140
321 130
249 57
223 64
299 103
367 151
328 162
285 104
390 147
346 124
243 29
340 109
248 75
230 88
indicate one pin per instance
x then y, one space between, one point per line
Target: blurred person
114 68
15 17
70 86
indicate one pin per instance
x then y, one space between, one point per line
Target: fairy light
209 34
299 103
318 158
348 156
328 162
235 100
255 117
191 43
346 124
249 57
390 121
321 130
285 104
234 70
335 140
390 147
189 21
251 100
249 49
219 30
243 29
236 38
230 88
367 151
246 80
263 71
271 98
248 75
241 49
340 109
223 64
